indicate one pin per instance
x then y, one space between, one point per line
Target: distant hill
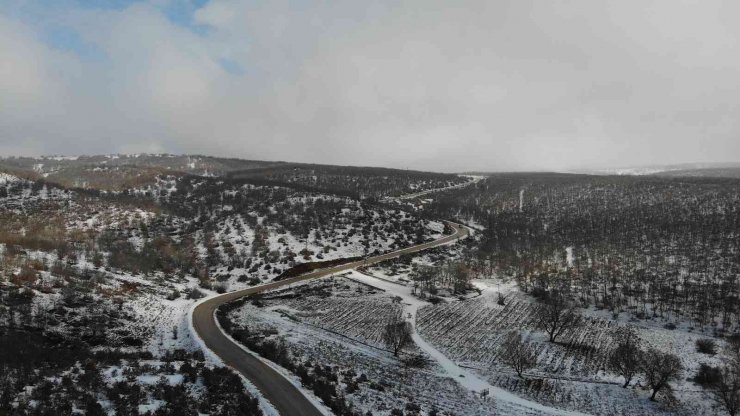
118 172
727 172
115 172
196 164
699 170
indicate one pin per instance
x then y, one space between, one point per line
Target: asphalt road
431 191
286 398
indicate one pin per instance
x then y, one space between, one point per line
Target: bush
377 386
351 387
539 293
413 407
435 300
706 346
194 293
707 375
415 361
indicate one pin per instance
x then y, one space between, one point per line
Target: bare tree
461 277
725 390
424 277
557 315
660 369
626 359
397 334
516 354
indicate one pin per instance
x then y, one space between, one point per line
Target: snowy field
339 319
573 370
346 339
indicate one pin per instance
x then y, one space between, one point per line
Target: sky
432 85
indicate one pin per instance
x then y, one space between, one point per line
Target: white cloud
430 85
24 73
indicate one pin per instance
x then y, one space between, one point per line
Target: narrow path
287 399
466 378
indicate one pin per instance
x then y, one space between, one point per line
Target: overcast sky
450 86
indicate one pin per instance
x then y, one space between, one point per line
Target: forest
651 247
97 276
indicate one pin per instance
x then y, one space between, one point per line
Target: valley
335 303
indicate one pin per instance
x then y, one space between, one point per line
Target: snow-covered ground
506 402
335 321
324 323
343 239
470 331
339 320
6 178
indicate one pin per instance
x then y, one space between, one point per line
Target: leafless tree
557 315
516 354
626 359
725 390
660 369
424 278
461 277
397 334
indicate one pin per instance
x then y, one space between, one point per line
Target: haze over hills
718 169
120 172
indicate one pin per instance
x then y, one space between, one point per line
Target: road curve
430 191
281 393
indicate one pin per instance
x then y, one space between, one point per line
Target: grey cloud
427 85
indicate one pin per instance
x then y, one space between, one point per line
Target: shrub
707 375
413 407
434 300
706 346
25 277
351 387
415 361
376 386
194 293
539 293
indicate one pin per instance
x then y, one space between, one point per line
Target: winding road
473 180
280 392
